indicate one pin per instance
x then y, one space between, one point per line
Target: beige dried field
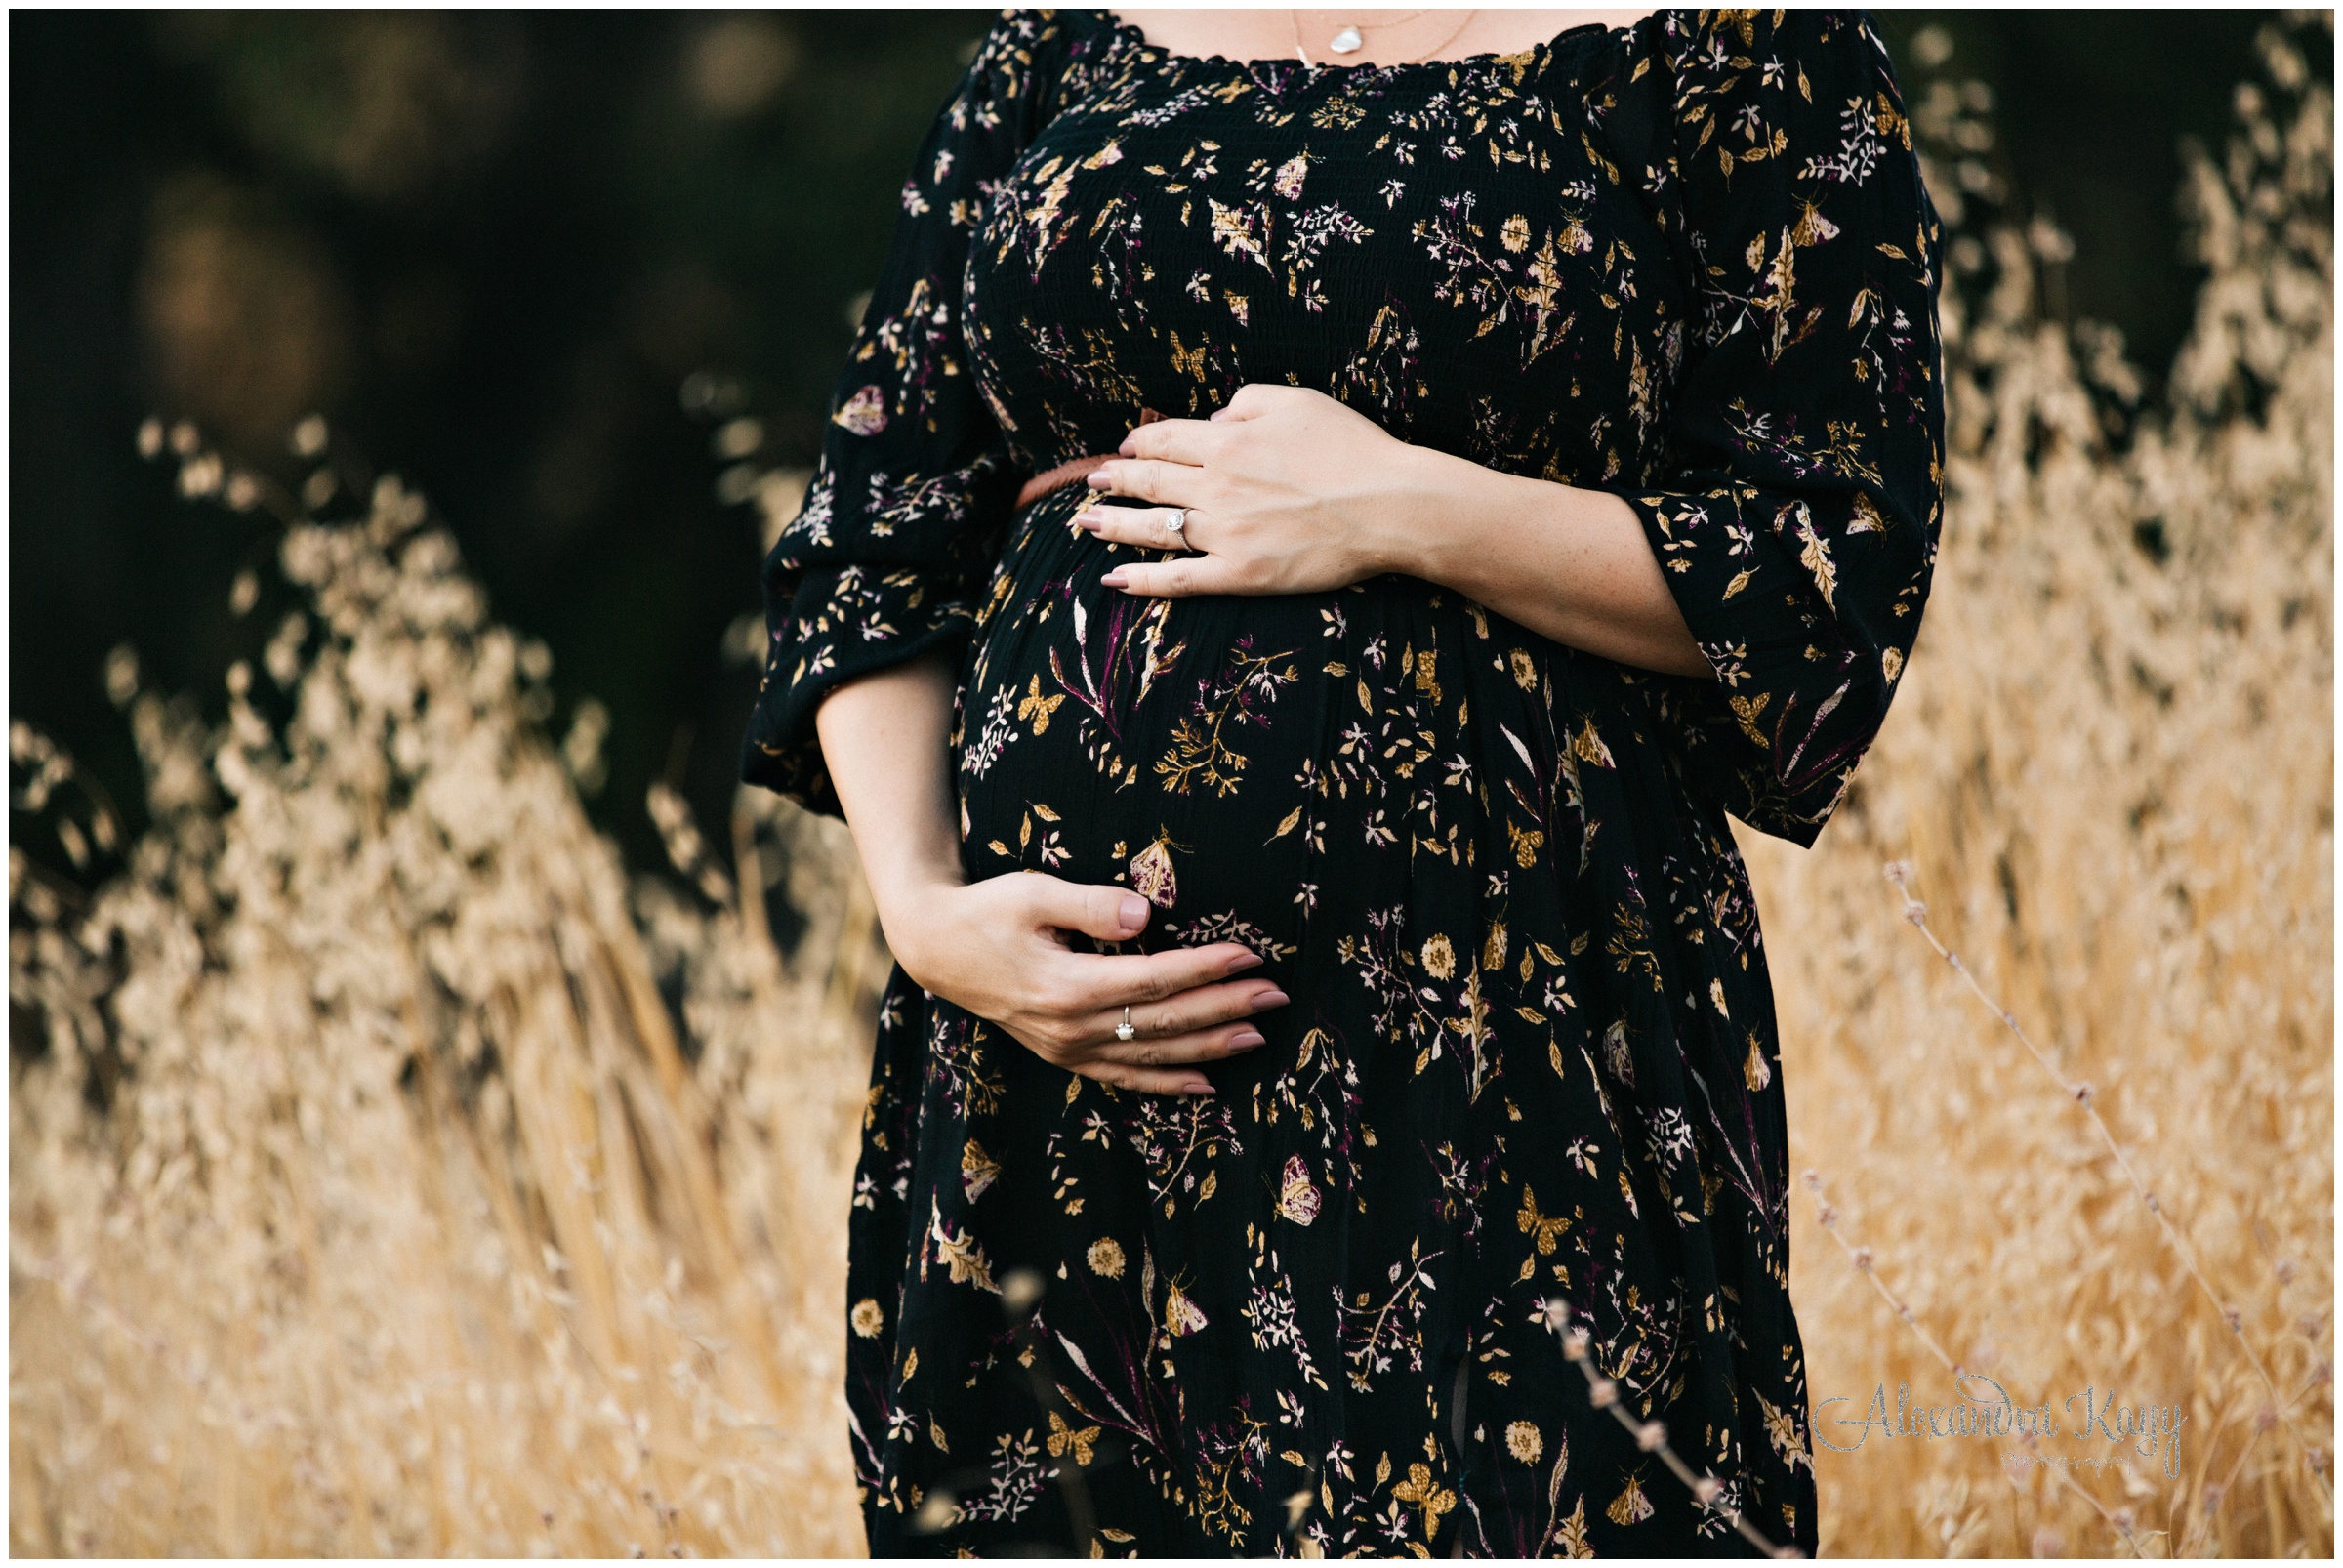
391 1172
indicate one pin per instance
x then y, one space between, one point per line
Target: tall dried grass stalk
390 1174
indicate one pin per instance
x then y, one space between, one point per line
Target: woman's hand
1287 492
998 948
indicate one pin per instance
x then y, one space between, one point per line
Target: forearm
886 740
1567 563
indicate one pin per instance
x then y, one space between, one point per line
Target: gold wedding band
1125 1030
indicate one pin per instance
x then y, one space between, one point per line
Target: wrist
1437 500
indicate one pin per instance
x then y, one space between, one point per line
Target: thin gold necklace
1295 17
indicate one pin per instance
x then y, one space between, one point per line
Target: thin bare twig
1652 1436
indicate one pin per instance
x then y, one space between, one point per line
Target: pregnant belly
1236 757
1162 745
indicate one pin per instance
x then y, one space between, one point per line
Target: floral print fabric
1531 1050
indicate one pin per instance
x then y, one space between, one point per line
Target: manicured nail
1245 1042
1096 479
1088 521
1133 912
1217 413
1113 579
1240 963
1125 449
1201 1091
1270 998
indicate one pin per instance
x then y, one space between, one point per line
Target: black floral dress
1530 1052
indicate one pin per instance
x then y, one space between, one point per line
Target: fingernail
1123 450
1133 912
1201 1091
1113 579
1240 963
1096 479
1245 1042
1086 520
1270 998
1217 413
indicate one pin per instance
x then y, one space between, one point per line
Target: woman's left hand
1284 490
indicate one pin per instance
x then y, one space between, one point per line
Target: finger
1113 981
1193 1049
1109 914
1144 526
1184 578
1204 1007
1165 485
1184 1082
1188 441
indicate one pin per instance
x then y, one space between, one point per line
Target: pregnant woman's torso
1438 246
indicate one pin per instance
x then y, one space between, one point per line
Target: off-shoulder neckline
1538 54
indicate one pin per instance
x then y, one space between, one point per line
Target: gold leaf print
963 1256
1106 1257
1292 820
1891 660
1741 580
1527 842
1867 518
1493 947
1524 667
1631 1506
1290 173
867 1318
1515 233
1757 1072
1815 559
1571 1533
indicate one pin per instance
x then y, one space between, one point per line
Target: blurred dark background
584 278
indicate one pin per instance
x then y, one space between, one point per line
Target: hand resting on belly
998 948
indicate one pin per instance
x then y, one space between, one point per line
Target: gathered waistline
1072 472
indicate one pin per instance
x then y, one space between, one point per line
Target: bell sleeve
904 517
1796 517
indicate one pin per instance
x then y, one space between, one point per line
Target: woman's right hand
999 949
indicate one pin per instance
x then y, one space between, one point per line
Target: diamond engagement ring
1176 523
1125 1030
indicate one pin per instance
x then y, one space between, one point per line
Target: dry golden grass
367 1197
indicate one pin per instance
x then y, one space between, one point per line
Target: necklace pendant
1346 42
